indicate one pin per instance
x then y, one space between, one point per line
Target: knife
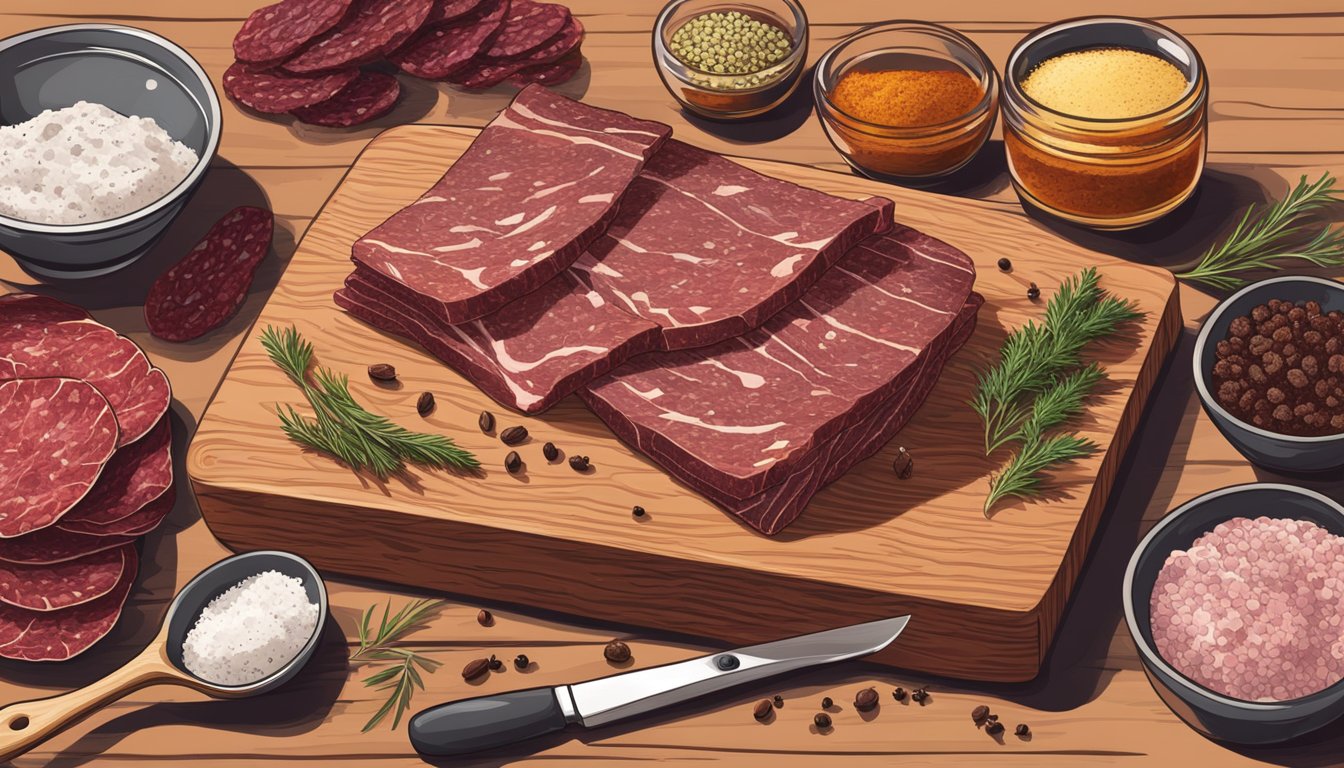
486 722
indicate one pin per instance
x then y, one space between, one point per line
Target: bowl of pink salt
1235 601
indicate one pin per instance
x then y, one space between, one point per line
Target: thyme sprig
1268 237
345 429
402 679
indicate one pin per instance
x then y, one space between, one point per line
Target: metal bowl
1213 714
130 71
1271 450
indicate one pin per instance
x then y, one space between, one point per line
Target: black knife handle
486 722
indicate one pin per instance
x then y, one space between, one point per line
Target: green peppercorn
730 43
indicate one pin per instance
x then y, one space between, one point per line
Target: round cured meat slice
59 635
445 11
59 434
32 308
438 53
526 27
53 545
488 72
368 98
142 521
364 35
203 290
274 32
62 585
137 475
554 73
275 92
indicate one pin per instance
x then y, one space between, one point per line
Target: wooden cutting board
986 595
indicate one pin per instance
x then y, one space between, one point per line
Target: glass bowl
906 154
715 95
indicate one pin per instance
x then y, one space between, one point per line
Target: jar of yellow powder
1105 120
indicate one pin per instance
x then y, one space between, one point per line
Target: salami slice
137 475
364 34
203 290
53 545
527 26
487 72
368 98
60 635
62 585
554 73
275 92
142 521
445 11
59 434
276 31
438 53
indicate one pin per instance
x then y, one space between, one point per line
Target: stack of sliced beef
86 465
753 337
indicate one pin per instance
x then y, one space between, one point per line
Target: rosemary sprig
1265 239
345 429
1022 476
375 646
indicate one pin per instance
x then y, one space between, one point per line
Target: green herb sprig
342 427
1268 238
402 679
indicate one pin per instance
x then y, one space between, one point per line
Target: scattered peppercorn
920 695
826 703
1005 264
994 728
382 372
616 652
495 664
866 700
731 43
779 701
513 435
980 714
578 463
513 462
822 721
521 661
762 710
550 451
484 618
904 465
898 694
1022 730
475 669
638 511
1033 292
487 421
425 405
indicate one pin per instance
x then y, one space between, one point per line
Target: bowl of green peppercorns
729 61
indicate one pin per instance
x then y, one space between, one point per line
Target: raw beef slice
62 585
275 31
137 475
528 355
709 250
744 415
533 190
60 635
59 434
84 349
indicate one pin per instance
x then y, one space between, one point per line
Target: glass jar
1105 173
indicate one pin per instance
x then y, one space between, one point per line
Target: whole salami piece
437 53
486 72
140 522
203 290
59 434
137 475
445 11
526 27
275 92
367 30
275 31
62 585
60 635
369 97
33 346
53 545
554 73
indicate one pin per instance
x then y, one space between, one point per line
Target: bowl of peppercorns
1269 369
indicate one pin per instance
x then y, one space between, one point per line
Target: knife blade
486 722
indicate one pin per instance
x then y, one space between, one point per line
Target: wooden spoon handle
28 723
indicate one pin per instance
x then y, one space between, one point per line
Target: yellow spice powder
1106 83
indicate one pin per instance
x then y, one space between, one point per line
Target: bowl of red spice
1235 602
1269 370
907 102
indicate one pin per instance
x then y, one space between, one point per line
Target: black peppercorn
513 435
638 511
382 372
826 703
521 661
578 463
898 694
920 695
487 421
1033 292
425 405
1022 730
550 451
904 465
495 664
822 721
779 701
1005 264
994 728
980 714
484 618
762 710
513 462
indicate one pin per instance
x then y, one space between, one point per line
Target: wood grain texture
986 594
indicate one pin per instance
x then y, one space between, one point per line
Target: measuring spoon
29 723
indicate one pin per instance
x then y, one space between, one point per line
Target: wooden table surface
1276 113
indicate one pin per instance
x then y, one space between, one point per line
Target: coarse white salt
252 630
85 164
1253 609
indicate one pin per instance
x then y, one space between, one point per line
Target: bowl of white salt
1235 601
105 133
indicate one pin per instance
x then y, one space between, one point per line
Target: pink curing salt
1253 609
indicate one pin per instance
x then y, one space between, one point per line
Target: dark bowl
1213 714
1271 450
111 65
